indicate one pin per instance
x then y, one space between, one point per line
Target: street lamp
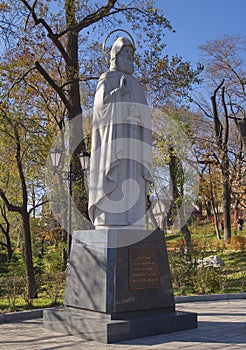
84 158
55 156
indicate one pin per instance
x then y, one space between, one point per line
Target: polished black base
118 287
104 329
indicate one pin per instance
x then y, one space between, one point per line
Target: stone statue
121 157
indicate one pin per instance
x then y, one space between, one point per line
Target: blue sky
199 21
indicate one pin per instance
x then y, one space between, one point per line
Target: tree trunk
30 276
175 170
23 210
236 212
77 144
64 251
212 204
216 220
226 197
221 131
9 246
6 230
185 230
208 207
242 129
226 202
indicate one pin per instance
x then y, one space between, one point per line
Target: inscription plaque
144 268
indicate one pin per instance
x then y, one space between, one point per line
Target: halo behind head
121 40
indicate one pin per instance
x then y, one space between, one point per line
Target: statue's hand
124 86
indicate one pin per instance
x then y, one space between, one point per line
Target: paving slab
221 325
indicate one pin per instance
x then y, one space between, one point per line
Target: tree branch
226 135
20 168
57 88
239 79
37 205
21 78
9 206
94 17
3 213
3 244
54 37
217 124
203 109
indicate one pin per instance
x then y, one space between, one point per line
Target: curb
209 297
32 314
21 315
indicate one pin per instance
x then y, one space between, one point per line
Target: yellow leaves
52 235
3 6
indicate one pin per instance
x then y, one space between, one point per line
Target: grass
13 295
20 304
187 278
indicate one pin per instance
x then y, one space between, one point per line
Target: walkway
222 325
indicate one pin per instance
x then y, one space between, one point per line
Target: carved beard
125 65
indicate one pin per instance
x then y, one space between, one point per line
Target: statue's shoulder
109 74
135 80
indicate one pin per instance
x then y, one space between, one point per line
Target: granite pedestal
118 288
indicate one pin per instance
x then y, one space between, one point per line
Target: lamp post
84 158
55 156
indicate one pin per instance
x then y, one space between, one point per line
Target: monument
118 283
121 156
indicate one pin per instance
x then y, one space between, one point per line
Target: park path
221 325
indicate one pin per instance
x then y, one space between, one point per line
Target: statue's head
122 56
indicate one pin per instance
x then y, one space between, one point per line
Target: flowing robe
121 156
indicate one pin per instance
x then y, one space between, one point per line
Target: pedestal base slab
105 330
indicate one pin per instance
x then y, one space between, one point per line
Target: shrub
206 280
53 284
190 278
237 243
181 269
11 287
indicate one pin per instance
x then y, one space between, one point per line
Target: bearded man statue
121 156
